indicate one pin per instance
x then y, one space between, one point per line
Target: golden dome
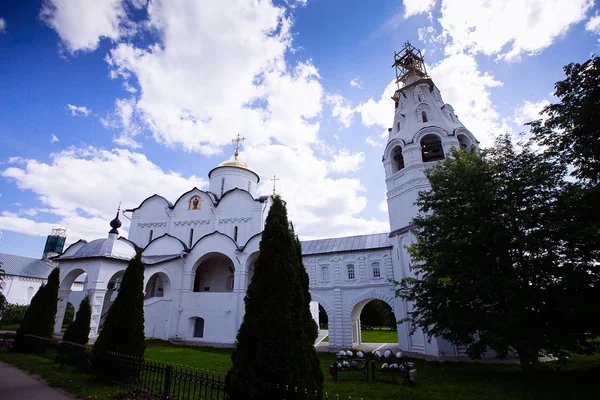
234 163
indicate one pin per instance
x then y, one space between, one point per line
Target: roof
349 243
25 266
120 249
151 260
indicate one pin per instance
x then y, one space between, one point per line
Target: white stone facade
199 252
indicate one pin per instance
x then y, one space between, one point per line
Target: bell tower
423 131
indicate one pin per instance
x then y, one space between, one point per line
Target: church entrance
373 321
214 273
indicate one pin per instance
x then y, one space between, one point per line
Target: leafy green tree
40 316
123 330
69 314
79 330
488 257
13 314
275 343
378 313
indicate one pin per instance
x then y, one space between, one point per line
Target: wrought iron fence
162 380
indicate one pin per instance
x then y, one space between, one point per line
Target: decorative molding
407 186
240 219
427 130
151 224
193 222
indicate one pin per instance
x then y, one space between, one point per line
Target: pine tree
41 314
275 343
79 330
123 331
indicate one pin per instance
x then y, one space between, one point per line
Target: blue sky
108 101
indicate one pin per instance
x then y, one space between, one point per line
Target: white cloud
374 143
82 23
200 75
54 139
79 111
383 205
414 7
2 25
81 188
355 82
508 28
340 109
592 25
380 112
345 161
124 120
467 89
529 111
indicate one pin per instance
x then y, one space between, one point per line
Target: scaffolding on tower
408 63
55 243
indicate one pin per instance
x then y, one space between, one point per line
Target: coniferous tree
275 343
79 330
41 314
123 331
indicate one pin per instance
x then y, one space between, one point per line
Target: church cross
237 143
274 179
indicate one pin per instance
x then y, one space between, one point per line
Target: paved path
18 385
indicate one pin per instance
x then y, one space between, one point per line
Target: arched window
29 293
398 163
424 116
191 237
419 97
199 327
431 148
451 117
465 142
398 125
229 283
150 236
325 274
222 185
376 270
350 268
235 233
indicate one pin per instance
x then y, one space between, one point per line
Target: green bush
13 314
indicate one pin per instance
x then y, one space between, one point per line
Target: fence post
168 373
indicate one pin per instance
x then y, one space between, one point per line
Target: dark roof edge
402 230
389 246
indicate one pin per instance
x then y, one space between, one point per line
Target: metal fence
162 380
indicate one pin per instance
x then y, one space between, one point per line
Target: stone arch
424 113
69 275
392 144
250 268
324 304
162 280
465 132
432 148
397 159
213 276
429 130
354 309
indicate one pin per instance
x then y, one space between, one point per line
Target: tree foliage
491 264
275 343
378 313
123 330
13 314
79 330
40 316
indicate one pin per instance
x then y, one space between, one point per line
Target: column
97 301
63 299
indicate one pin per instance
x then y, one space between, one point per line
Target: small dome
107 248
234 163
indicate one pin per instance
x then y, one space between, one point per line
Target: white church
199 251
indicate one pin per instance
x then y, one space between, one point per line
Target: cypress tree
41 314
79 330
275 343
123 331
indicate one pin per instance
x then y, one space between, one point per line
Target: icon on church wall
195 203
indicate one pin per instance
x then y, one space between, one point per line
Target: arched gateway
200 251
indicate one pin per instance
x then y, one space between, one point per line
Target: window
351 274
424 116
222 185
199 327
419 98
431 148
235 233
398 163
249 185
398 125
376 270
150 237
29 293
451 117
191 237
465 143
325 274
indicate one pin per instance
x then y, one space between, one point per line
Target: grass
376 336
437 380
9 327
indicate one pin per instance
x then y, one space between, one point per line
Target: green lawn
437 380
376 336
10 327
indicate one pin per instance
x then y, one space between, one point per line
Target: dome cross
237 143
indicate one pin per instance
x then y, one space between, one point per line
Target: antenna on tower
408 63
